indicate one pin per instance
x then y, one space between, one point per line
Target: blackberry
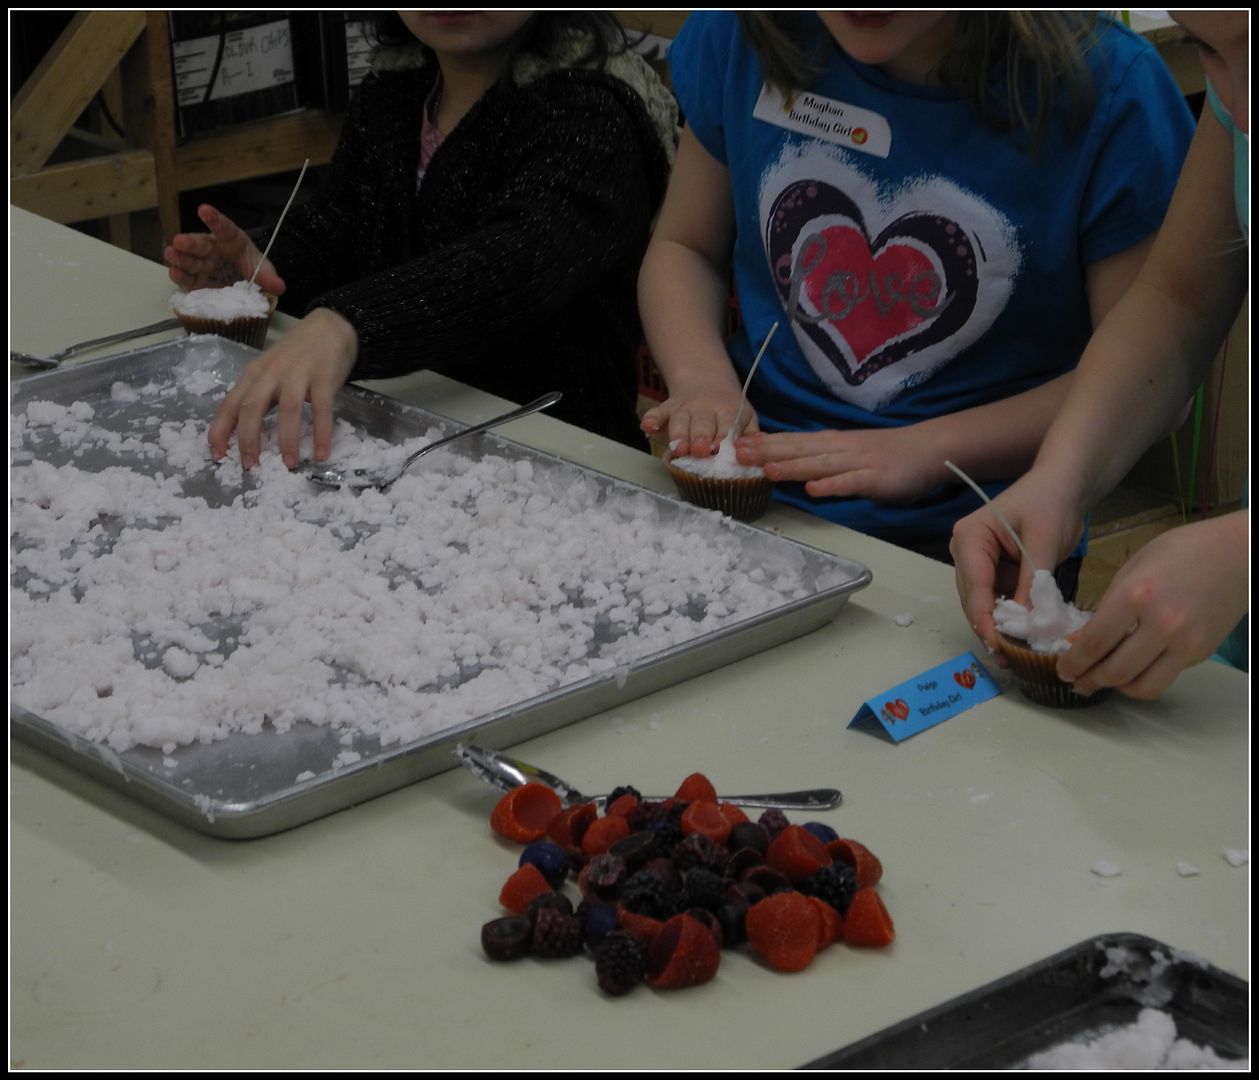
509 938
668 835
699 850
635 849
773 821
743 860
645 894
646 814
703 888
625 789
836 884
620 963
663 868
556 935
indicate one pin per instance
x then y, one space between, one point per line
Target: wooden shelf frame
126 56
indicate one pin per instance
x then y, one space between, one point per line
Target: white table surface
353 941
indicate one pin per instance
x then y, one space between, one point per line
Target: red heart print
965 678
898 708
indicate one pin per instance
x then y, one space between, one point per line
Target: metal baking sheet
244 786
1080 993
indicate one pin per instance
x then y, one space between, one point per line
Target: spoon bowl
363 479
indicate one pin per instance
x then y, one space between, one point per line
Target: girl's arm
683 296
900 464
1142 365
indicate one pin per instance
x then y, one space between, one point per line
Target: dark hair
540 36
1009 64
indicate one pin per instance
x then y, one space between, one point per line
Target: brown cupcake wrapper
1037 677
742 499
251 331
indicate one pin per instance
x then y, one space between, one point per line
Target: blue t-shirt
930 263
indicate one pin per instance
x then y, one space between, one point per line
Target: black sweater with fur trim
513 268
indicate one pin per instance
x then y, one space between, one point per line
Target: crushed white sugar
903 618
162 602
244 299
1236 856
721 466
1106 868
1149 1042
1185 869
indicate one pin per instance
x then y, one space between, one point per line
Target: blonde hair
1036 51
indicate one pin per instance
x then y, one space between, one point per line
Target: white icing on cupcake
244 300
1047 623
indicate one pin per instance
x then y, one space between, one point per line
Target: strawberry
570 825
733 814
524 813
784 930
602 833
643 927
868 868
705 818
867 921
696 786
524 885
797 854
830 923
622 805
684 953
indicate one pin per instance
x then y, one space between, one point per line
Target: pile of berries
666 885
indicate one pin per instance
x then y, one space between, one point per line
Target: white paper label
826 118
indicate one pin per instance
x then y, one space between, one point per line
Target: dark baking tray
244 786
999 1026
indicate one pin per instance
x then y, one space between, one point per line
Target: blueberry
551 860
823 832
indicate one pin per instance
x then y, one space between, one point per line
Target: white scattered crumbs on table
1185 869
1236 856
903 618
1106 868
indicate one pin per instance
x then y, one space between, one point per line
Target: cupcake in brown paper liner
1032 639
721 483
240 312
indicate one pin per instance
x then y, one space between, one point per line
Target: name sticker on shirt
826 118
928 699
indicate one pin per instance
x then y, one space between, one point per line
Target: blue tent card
928 699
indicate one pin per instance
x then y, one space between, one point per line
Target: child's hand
310 363
218 258
988 564
696 421
890 465
1169 606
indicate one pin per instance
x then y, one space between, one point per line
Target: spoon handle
534 406
52 359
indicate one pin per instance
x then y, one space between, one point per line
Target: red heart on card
964 678
898 708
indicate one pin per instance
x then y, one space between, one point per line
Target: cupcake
240 312
1031 639
721 483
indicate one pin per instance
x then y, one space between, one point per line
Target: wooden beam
65 82
148 96
83 190
262 148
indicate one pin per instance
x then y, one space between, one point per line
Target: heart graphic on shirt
868 302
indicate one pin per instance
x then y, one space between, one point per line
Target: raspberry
835 884
867 921
635 849
743 861
556 935
784 930
773 822
699 850
524 813
604 876
620 963
685 953
508 938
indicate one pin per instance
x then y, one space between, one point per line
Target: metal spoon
361 479
505 773
53 360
